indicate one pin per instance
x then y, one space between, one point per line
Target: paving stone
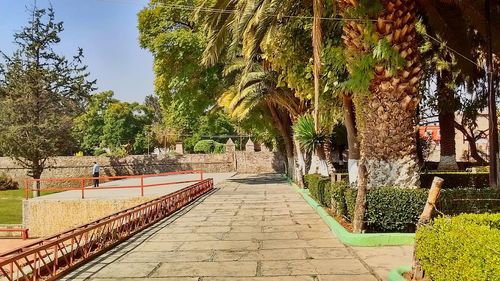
157 246
211 229
328 253
177 256
219 245
189 269
117 270
284 244
362 277
260 235
187 237
266 278
314 235
313 267
260 255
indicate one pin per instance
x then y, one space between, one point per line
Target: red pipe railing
81 182
52 257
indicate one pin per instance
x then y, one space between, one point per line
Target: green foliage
204 146
456 179
305 134
40 94
469 200
319 188
219 148
109 123
392 209
99 152
464 247
7 183
88 127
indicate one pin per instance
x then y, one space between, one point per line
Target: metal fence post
83 188
142 186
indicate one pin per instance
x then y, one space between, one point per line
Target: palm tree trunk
388 142
316 44
448 158
327 149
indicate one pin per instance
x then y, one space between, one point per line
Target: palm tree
386 115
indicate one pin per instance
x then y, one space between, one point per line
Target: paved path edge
354 239
397 273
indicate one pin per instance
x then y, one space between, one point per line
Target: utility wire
230 11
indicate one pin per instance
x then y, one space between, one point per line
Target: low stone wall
73 166
48 217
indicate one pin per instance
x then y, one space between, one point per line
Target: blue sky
107 32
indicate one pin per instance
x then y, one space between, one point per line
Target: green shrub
7 183
99 152
456 179
219 148
204 146
464 247
469 200
319 187
391 209
337 190
350 201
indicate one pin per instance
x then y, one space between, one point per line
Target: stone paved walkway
250 228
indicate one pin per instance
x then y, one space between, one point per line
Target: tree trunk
352 138
300 165
283 124
360 207
448 157
37 173
316 44
425 217
388 142
318 162
472 144
327 148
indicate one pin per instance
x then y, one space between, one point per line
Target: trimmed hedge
391 209
209 146
456 179
465 247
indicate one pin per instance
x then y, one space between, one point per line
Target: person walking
95 174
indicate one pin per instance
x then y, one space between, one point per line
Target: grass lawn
11 202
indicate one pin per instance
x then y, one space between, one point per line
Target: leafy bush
464 247
394 209
338 200
468 200
7 183
319 188
99 152
219 148
390 209
456 179
204 146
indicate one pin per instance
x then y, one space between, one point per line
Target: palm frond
304 132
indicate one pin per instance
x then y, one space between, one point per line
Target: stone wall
73 166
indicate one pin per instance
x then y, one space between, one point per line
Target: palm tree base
403 173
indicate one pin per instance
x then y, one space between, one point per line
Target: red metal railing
55 256
81 182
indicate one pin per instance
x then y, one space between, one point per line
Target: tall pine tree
40 93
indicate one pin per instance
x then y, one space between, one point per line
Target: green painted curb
397 273
355 239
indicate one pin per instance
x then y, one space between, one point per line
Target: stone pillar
249 147
179 148
230 146
264 148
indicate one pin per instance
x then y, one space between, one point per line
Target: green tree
40 94
123 122
88 126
